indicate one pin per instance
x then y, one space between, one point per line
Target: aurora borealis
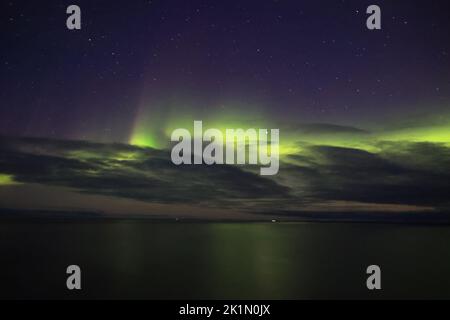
364 116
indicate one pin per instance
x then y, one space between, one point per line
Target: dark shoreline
419 218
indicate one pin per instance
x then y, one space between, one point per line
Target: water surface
154 260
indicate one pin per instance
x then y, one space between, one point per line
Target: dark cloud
129 172
412 174
324 128
403 174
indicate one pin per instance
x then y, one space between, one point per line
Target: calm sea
153 260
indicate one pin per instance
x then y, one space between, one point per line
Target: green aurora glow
155 133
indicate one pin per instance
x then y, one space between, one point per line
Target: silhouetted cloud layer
400 176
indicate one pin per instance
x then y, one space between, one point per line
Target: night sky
298 60
353 105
